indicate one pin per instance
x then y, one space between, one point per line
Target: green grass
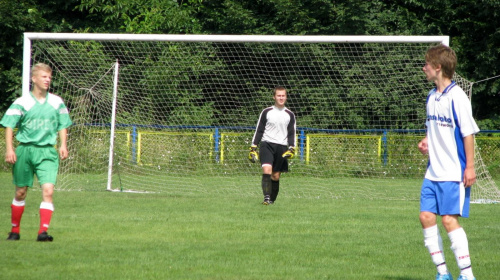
107 235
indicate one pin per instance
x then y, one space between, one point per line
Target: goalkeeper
275 132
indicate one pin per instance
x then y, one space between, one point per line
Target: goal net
176 113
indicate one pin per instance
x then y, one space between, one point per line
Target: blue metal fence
302 131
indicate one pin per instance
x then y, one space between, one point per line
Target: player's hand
289 154
10 156
63 153
422 146
469 177
253 156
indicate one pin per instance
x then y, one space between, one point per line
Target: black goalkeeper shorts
272 154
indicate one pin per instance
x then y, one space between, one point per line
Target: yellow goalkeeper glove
253 156
289 154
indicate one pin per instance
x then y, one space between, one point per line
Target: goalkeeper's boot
267 200
13 236
463 277
444 276
44 237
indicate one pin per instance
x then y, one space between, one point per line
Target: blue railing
301 134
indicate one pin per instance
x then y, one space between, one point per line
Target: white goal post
175 113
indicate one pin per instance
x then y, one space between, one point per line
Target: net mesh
186 113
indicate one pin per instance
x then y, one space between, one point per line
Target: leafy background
473 26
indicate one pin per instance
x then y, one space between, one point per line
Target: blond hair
40 67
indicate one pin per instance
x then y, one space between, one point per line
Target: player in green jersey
39 118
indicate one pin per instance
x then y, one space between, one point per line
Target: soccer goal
176 113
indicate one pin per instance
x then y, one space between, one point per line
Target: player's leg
459 245
275 185
47 165
432 238
46 210
22 174
17 210
266 153
456 204
280 165
46 207
266 184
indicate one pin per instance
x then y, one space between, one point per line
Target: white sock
434 243
47 205
460 247
18 203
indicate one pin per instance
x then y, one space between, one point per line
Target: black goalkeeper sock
266 185
275 189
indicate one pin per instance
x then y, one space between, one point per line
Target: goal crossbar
29 36
237 38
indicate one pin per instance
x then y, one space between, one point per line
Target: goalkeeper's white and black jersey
276 125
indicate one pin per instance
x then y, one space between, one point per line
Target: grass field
108 235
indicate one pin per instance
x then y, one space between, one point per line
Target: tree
16 16
28 16
474 28
285 17
146 17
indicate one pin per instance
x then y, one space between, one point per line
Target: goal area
176 113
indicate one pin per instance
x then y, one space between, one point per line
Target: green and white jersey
37 123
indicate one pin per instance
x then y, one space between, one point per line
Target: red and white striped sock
17 208
46 210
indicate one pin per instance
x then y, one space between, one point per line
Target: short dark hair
278 88
444 56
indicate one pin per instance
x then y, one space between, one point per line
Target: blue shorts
445 198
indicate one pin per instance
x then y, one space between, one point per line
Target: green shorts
42 161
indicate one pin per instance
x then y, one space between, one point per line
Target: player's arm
470 172
253 155
260 128
469 128
63 148
10 153
292 129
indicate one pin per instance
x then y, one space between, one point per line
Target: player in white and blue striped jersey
450 173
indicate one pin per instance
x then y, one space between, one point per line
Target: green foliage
284 17
161 151
489 148
473 29
492 123
344 155
472 25
326 155
16 17
157 16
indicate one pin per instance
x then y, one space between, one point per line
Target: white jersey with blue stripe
449 120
